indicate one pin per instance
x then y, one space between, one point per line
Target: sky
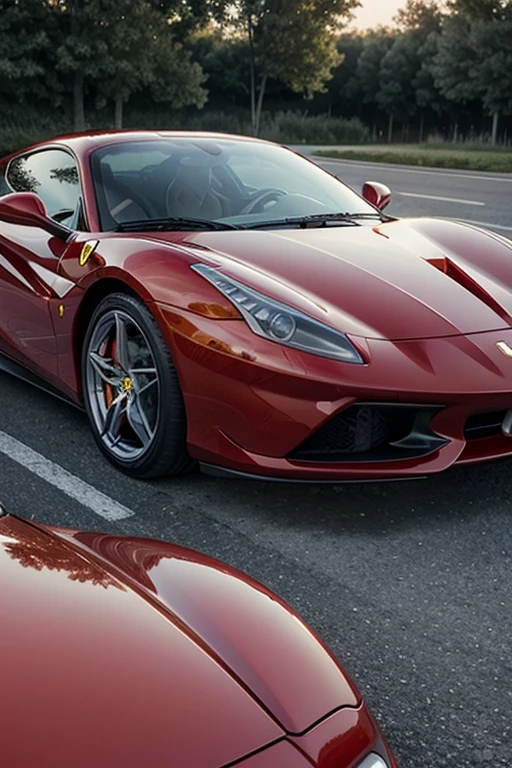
374 12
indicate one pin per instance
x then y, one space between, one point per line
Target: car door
29 257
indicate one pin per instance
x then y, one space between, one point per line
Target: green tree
473 61
481 10
143 53
420 16
421 22
376 45
293 41
452 64
125 45
78 50
24 43
396 94
491 72
428 95
344 88
223 59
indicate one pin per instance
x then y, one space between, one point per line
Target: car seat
119 198
190 194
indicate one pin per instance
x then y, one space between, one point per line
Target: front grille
363 432
484 425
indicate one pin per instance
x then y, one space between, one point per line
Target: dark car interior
183 185
201 181
176 182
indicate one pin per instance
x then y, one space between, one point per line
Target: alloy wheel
123 385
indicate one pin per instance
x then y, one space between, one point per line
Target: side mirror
377 194
27 209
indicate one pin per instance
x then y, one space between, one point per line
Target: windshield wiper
173 224
319 219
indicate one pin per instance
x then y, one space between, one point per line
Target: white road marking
442 199
412 169
69 484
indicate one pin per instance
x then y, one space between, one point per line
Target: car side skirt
8 365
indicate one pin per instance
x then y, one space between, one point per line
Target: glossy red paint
377 194
24 208
424 302
119 651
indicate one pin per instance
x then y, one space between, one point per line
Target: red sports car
131 652
223 300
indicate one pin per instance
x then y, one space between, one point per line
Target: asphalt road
481 198
410 583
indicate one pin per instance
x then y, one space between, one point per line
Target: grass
472 158
26 126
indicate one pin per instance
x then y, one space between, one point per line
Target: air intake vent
458 275
484 425
372 432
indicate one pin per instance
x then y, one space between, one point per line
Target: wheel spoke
148 385
106 369
143 370
138 421
113 417
122 353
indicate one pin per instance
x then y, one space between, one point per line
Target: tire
131 391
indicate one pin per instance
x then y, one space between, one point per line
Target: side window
53 175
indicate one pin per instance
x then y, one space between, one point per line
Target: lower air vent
369 432
484 425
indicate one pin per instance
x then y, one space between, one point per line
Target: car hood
410 279
130 651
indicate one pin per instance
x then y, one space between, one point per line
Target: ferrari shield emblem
505 348
87 250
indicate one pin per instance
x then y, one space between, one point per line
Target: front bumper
254 407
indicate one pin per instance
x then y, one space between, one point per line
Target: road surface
410 583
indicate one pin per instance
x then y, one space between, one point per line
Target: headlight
373 761
278 322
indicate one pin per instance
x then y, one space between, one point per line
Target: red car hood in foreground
118 651
410 279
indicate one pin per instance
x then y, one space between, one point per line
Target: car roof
88 141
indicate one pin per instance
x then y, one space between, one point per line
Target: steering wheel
260 198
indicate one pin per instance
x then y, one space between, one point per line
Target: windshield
238 183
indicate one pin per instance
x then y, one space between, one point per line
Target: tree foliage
225 64
24 45
474 58
420 16
397 95
438 63
375 48
113 48
480 10
491 72
293 41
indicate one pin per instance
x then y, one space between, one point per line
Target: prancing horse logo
87 251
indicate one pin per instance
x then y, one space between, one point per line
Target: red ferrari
222 300
131 652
